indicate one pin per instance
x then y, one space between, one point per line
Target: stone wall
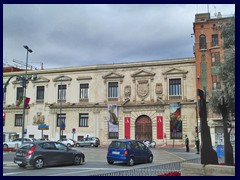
193 169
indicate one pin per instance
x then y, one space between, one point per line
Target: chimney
219 15
203 17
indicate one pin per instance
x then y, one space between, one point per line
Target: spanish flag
19 101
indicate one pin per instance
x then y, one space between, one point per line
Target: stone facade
142 90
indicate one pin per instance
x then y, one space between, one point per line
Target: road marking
88 168
175 155
60 174
13 173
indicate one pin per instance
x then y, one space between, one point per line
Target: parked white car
17 142
150 144
67 142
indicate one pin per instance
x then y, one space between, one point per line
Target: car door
64 156
14 143
87 141
81 142
49 153
136 151
143 150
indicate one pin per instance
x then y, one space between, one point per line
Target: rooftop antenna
215 14
37 63
23 63
5 61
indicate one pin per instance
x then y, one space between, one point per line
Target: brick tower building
209 55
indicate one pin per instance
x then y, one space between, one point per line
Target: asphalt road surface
95 163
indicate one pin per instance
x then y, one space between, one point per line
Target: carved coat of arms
38 119
127 91
143 88
159 88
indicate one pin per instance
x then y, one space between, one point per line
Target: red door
143 128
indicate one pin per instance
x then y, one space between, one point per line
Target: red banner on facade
159 127
127 127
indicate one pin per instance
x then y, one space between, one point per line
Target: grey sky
81 34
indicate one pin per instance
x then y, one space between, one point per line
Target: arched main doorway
143 128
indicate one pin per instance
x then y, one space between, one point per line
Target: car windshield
117 144
26 146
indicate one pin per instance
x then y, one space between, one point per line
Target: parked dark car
88 141
128 151
47 153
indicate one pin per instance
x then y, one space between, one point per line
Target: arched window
202 42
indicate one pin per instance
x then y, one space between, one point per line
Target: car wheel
77 160
78 145
22 165
91 145
96 146
5 146
110 162
69 145
38 163
130 162
150 159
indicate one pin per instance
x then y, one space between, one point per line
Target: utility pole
24 79
61 123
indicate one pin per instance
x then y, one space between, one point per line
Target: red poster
127 127
159 127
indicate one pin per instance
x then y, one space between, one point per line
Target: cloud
87 34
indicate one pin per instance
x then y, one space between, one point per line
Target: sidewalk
170 146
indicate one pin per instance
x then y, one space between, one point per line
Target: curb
8 163
9 150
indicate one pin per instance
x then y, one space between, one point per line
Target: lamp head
27 48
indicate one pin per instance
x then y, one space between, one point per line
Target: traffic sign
73 130
62 126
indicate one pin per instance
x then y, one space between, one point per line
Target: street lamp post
24 79
61 97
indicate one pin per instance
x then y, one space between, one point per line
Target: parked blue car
128 151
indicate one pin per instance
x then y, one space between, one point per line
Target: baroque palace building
141 100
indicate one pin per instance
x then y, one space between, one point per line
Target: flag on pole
27 102
19 101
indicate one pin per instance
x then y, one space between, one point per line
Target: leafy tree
227 70
223 101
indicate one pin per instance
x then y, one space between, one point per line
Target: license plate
115 152
19 162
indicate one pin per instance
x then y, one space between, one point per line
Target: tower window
215 40
215 58
202 42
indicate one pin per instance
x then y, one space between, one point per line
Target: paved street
95 163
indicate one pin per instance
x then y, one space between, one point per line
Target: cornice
107 66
